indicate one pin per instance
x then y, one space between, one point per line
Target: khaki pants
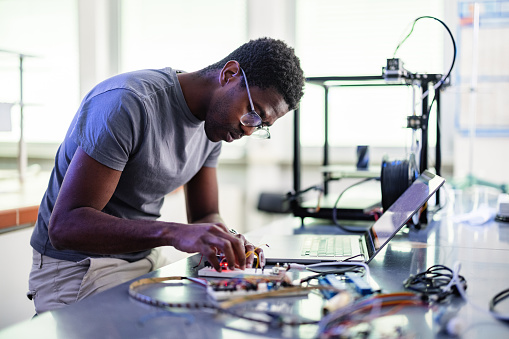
57 283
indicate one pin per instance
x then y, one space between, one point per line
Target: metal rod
296 150
22 152
438 153
326 141
473 94
423 163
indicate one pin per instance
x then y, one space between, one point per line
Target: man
135 138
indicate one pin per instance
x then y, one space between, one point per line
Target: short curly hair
269 63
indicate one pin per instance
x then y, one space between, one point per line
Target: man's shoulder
142 83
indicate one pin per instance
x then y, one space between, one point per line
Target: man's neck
198 90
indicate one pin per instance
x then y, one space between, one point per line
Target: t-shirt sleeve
211 160
109 127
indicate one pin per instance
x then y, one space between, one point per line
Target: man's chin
212 136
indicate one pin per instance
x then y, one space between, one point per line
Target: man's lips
231 137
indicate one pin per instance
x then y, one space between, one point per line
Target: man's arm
203 206
78 223
202 197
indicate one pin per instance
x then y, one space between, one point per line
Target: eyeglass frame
261 132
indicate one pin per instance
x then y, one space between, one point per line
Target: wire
256 254
224 307
335 209
342 263
313 268
199 263
440 83
437 282
343 315
287 291
496 299
444 78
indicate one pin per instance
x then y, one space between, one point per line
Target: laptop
313 248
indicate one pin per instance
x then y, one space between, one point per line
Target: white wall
484 158
15 263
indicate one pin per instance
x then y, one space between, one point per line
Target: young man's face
231 102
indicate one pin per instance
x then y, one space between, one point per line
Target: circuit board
229 284
238 273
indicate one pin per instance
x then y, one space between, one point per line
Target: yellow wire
255 254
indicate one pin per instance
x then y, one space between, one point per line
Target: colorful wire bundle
337 322
225 307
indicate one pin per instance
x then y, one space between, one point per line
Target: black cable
434 282
497 299
335 209
444 78
442 81
295 195
453 44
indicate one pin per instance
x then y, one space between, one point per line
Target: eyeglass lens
251 119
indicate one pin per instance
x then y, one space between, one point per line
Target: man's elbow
56 233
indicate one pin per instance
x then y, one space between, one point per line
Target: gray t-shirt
138 123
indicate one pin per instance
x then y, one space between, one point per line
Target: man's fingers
226 246
249 248
235 250
222 226
233 246
261 257
240 250
212 258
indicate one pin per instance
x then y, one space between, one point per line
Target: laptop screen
385 228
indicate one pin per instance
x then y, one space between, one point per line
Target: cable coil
396 176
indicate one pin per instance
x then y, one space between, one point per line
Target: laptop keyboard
326 246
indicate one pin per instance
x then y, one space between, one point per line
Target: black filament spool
396 176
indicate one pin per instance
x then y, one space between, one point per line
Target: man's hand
211 239
250 251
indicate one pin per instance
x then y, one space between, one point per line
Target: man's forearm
212 218
88 230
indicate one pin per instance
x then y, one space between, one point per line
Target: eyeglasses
252 119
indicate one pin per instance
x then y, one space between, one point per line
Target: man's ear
230 69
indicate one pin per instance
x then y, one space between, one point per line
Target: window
344 38
186 35
48 30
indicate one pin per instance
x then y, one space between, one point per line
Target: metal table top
483 252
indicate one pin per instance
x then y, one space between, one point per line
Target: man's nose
249 130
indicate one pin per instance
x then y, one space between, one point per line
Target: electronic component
238 273
333 281
414 122
237 283
394 72
233 288
361 285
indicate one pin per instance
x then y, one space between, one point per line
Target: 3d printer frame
427 83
